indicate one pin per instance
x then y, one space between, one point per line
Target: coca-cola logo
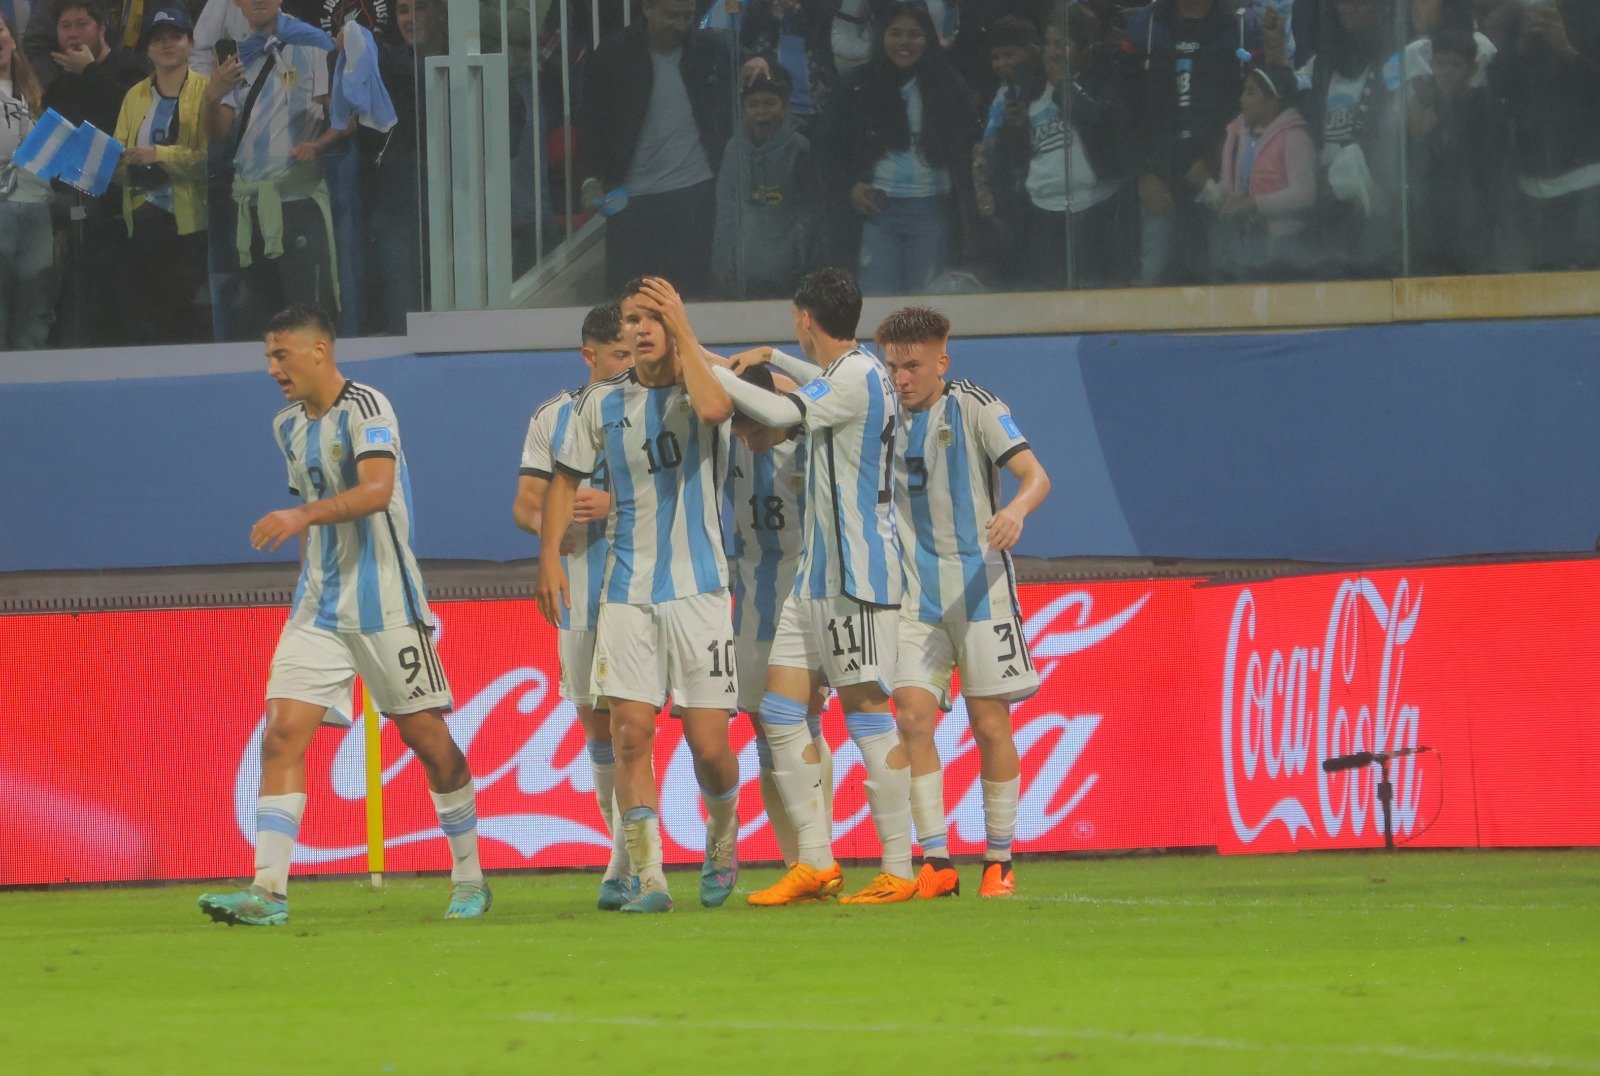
1287 709
514 779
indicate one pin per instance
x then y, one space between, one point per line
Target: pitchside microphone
1367 758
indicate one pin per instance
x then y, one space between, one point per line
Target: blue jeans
27 287
905 247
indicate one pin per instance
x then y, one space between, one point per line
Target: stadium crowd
934 145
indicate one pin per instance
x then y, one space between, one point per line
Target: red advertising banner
136 752
1171 715
1491 668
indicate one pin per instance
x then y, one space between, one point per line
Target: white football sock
277 828
799 782
643 831
1000 816
458 817
888 788
927 811
618 867
722 826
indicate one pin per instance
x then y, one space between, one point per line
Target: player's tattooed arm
1005 526
375 478
553 593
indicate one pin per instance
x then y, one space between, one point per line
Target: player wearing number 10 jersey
359 608
961 596
665 628
839 625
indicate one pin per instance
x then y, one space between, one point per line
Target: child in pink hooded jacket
1268 179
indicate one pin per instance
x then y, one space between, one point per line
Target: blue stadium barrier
1378 444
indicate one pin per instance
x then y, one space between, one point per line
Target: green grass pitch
1449 962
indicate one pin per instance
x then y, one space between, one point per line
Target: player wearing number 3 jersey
359 608
665 627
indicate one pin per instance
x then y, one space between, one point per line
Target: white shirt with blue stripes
766 510
947 484
852 543
585 565
359 576
666 468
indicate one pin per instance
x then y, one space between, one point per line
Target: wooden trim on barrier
1212 308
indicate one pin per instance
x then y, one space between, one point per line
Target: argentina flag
45 152
92 159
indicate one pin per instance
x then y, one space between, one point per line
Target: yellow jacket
185 162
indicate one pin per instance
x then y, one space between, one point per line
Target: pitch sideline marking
1136 1038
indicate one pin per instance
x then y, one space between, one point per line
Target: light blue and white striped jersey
586 564
359 576
666 468
906 173
286 113
766 511
947 483
852 544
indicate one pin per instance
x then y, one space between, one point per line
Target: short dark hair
1454 41
832 297
760 377
603 324
93 8
302 317
777 81
1079 24
1012 30
914 325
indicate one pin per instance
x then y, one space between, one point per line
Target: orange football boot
802 885
884 889
938 881
998 881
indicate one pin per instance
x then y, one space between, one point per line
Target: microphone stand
1386 799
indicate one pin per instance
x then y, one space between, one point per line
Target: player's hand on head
276 528
1004 529
756 356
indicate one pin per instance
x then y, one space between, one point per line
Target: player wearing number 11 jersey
839 625
359 608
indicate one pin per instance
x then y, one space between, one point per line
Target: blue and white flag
44 151
358 89
93 157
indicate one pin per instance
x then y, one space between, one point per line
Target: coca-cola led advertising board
1171 715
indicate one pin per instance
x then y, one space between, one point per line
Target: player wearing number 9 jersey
839 625
665 626
359 608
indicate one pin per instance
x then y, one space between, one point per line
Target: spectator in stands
1429 17
1457 159
654 119
969 52
796 35
394 192
1353 110
896 148
41 38
1190 74
1268 183
768 198
25 243
855 24
274 113
1064 179
1548 74
162 174
92 74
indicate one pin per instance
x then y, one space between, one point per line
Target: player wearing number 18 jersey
961 596
665 629
359 608
839 625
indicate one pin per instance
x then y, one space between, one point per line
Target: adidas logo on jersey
1011 670
416 693
620 424
853 666
729 690
735 471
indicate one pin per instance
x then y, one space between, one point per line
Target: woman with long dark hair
896 146
26 246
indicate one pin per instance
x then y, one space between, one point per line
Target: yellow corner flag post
372 723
